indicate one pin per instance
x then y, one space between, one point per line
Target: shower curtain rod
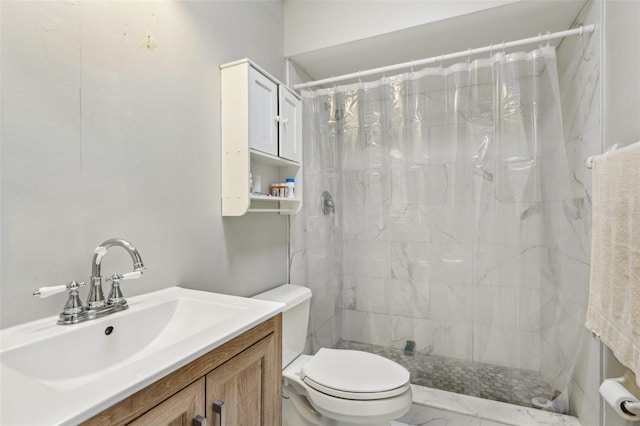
540 38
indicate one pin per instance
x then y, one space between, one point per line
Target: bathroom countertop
26 400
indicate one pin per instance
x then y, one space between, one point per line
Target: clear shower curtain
449 187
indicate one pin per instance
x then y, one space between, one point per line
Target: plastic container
291 188
257 184
279 190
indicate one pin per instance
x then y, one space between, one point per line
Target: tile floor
487 381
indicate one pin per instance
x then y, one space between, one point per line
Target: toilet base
291 416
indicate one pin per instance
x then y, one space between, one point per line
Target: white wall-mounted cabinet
261 135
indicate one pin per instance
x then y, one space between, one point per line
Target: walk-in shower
450 230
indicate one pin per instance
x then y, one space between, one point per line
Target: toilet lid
354 374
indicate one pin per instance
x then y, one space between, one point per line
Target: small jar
279 190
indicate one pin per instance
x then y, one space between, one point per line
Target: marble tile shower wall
431 256
579 72
316 246
414 271
401 259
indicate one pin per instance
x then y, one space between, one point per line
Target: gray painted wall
621 114
104 136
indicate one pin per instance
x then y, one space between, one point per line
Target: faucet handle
131 275
115 295
43 292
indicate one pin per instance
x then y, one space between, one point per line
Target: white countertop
25 400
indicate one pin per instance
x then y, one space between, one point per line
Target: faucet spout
101 250
96 299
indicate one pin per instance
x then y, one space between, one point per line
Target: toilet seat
354 375
349 409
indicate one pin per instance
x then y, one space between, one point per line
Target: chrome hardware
631 408
96 299
73 310
199 420
219 408
326 202
96 305
115 295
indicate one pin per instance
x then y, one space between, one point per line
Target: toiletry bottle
291 187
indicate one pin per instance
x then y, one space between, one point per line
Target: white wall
602 94
621 112
104 137
622 68
311 25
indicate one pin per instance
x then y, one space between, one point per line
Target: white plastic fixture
295 318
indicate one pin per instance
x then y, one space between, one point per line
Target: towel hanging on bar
614 291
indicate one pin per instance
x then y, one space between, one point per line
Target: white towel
614 292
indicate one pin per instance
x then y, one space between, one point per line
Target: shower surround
455 218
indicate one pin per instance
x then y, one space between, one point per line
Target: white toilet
334 386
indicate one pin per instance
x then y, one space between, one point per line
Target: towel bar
590 158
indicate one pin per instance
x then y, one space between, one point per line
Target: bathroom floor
488 381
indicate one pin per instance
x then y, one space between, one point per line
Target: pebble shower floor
488 381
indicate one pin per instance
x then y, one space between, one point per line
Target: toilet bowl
334 386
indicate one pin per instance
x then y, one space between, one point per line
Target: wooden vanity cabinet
239 381
179 410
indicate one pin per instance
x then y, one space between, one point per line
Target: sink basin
100 362
71 359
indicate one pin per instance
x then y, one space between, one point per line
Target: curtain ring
490 51
360 77
581 33
412 70
469 55
504 52
548 37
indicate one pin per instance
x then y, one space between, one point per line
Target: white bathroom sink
78 370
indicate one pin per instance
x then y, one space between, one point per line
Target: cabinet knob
219 408
199 420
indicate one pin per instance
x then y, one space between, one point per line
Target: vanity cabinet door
245 390
179 410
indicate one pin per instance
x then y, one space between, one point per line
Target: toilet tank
295 318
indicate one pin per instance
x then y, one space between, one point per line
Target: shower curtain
451 188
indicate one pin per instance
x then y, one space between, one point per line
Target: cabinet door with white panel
261 135
263 113
290 125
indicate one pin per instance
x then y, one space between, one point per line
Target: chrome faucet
96 306
96 299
